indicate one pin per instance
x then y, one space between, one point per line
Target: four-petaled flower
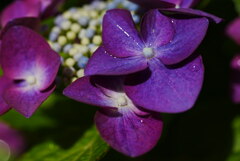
29 69
125 126
164 76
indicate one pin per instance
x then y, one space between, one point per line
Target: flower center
148 52
31 80
122 101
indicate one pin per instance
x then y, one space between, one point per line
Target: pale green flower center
122 101
31 80
148 52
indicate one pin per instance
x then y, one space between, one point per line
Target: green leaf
89 148
237 5
235 155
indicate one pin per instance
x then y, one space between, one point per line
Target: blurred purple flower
125 126
166 3
235 79
13 140
28 8
29 69
164 82
233 30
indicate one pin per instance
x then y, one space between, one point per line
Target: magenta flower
233 30
122 124
166 3
29 66
11 139
167 78
28 8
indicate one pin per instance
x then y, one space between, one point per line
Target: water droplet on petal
195 68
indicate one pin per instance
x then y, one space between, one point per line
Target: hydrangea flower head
164 76
29 69
125 126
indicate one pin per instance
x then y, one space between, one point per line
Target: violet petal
189 33
156 29
84 90
152 4
30 22
25 100
19 9
4 107
120 37
102 63
127 132
166 89
188 3
190 13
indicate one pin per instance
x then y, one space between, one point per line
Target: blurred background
210 131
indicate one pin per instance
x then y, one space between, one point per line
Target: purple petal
30 22
19 9
120 37
12 138
188 3
233 30
189 33
190 12
49 7
31 57
127 132
84 90
152 4
4 107
166 3
24 99
156 29
166 89
101 63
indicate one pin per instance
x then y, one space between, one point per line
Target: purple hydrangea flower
165 77
166 3
233 30
11 139
27 8
29 69
125 126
